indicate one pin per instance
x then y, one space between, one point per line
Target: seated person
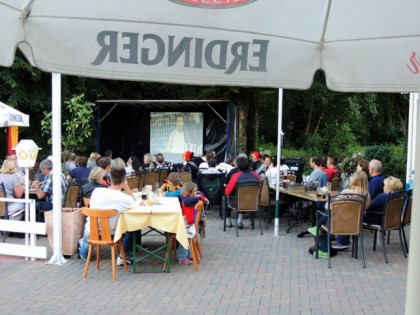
244 174
44 190
111 198
94 181
160 163
105 163
212 163
189 200
376 181
317 177
81 172
256 160
147 163
331 169
189 164
12 189
226 166
235 168
204 164
378 203
172 186
265 166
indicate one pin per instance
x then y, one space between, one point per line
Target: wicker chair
391 220
344 217
151 178
247 200
406 220
133 182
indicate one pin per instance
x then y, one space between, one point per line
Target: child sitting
172 186
189 200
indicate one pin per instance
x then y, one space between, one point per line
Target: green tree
78 128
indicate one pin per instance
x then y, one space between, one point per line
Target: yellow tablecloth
166 216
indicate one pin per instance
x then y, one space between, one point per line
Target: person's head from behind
316 162
108 153
119 163
363 165
72 157
209 155
97 174
332 162
147 159
9 167
159 158
229 160
242 163
117 176
105 163
82 161
255 156
135 163
375 167
392 184
212 162
179 122
189 189
94 156
359 182
46 166
174 178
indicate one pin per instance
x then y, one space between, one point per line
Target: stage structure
170 127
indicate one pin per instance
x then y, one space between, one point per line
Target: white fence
30 227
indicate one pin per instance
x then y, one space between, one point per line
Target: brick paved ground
251 274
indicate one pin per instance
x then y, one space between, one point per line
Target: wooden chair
267 201
291 178
345 217
72 194
141 181
162 176
195 245
247 199
133 182
151 178
103 237
86 202
406 219
391 220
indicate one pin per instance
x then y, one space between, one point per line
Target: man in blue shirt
376 181
317 176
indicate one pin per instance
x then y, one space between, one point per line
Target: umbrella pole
279 135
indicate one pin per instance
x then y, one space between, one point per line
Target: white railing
30 227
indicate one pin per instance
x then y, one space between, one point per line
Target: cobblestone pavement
249 274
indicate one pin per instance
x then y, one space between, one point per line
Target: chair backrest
186 176
100 218
291 178
72 194
407 211
199 208
212 186
247 197
393 210
151 178
133 182
141 181
3 205
265 194
86 202
335 184
162 176
346 211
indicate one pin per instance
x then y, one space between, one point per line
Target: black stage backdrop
124 126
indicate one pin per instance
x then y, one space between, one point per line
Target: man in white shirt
111 198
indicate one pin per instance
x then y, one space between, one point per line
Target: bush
393 158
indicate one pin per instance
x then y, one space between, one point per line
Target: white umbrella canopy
361 45
12 117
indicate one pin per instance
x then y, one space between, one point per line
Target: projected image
175 133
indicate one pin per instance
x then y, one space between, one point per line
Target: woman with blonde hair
391 184
12 189
148 162
94 181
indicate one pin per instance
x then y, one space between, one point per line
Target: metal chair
3 209
344 217
102 237
391 220
267 201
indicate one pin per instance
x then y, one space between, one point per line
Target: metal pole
412 303
279 135
57 257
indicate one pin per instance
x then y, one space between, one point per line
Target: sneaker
185 261
120 261
339 246
312 230
322 254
